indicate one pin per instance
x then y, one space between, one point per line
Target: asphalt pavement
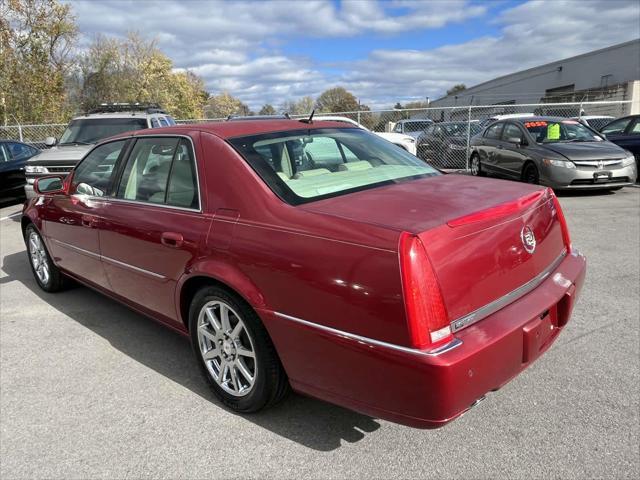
89 389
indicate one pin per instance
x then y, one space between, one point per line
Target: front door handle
172 239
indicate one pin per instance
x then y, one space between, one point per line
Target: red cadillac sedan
317 257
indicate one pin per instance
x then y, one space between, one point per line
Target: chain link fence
442 134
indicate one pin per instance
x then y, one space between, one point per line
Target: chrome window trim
108 259
490 308
138 202
456 342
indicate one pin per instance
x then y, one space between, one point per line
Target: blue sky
382 51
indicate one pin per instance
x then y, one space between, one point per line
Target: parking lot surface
89 389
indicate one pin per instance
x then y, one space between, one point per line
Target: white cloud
237 46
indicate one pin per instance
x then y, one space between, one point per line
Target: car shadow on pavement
309 422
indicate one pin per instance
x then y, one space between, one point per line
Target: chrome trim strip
107 259
132 267
595 163
456 342
78 249
490 308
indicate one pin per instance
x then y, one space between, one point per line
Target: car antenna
310 119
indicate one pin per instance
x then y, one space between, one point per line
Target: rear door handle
172 239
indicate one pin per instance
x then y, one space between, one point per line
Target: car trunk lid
485 238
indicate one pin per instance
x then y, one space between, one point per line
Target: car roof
239 128
534 118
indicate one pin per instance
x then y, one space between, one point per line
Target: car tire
48 277
477 170
530 174
235 355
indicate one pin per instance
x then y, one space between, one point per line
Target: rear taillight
427 316
562 220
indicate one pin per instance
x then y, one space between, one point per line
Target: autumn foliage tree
37 38
223 105
337 99
135 70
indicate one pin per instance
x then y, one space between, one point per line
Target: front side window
93 175
398 128
160 170
92 130
306 165
494 131
617 126
564 131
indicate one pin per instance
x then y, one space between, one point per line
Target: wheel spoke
211 354
224 318
202 329
237 330
222 372
244 352
234 378
242 368
34 245
211 317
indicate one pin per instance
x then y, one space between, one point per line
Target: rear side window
183 184
93 175
163 122
160 170
511 132
494 131
154 123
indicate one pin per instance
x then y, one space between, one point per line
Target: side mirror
50 141
520 141
49 185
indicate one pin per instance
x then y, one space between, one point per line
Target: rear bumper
417 388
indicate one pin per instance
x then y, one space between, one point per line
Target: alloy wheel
475 165
226 348
39 258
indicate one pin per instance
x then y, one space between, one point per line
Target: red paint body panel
333 268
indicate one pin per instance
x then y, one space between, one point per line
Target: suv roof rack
127 107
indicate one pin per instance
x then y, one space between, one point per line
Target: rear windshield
306 165
545 131
92 130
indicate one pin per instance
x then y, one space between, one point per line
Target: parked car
13 157
85 131
444 144
595 122
625 132
553 151
507 116
412 127
406 142
346 277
